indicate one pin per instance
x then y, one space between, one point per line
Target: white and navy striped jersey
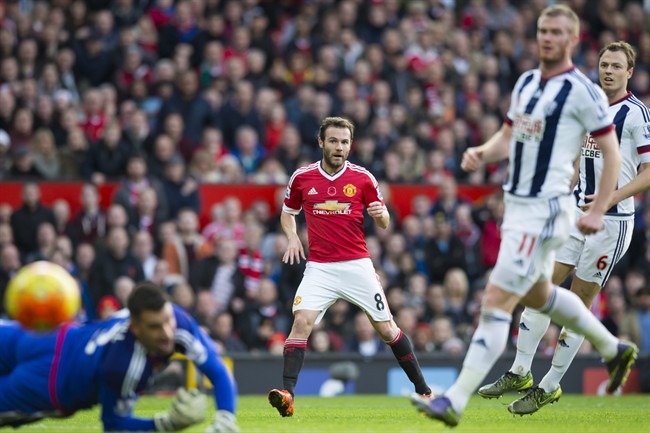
549 118
632 123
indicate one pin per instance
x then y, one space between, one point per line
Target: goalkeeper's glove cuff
224 422
163 422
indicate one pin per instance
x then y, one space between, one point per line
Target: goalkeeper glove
224 422
188 408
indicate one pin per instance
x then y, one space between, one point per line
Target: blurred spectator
194 109
106 159
9 264
445 250
83 259
114 262
180 189
470 235
45 238
319 342
223 332
636 323
423 338
6 234
445 205
143 250
491 236
456 287
122 288
239 110
73 154
130 190
219 276
182 251
270 172
22 168
263 317
21 131
364 340
26 219
90 221
46 157
226 221
444 337
146 214
248 150
250 258
137 132
183 295
61 211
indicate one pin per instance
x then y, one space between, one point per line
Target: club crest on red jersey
349 190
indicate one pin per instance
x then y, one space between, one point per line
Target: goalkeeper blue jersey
78 366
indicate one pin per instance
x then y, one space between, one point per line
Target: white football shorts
594 256
354 281
532 231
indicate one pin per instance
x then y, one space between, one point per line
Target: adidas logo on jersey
598 274
481 342
312 191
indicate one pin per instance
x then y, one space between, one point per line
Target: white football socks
488 343
567 347
565 308
532 327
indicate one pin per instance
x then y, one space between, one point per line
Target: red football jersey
334 207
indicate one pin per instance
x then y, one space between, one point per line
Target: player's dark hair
335 122
146 296
623 46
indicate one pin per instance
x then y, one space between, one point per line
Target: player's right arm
294 250
493 150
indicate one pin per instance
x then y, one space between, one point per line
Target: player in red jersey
333 194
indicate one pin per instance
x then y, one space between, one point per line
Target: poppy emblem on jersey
331 190
349 190
297 300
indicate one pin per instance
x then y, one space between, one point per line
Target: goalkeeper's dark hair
146 296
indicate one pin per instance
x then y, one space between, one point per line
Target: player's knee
302 325
388 330
586 291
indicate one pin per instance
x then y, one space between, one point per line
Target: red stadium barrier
401 195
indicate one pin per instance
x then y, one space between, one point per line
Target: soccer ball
42 295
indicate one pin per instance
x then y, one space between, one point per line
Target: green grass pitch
378 413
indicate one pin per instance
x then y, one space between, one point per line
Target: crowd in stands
159 96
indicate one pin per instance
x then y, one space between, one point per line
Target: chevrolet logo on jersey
332 207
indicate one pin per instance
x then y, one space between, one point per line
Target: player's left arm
637 185
641 182
375 205
204 354
379 213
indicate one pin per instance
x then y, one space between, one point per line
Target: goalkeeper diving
77 366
